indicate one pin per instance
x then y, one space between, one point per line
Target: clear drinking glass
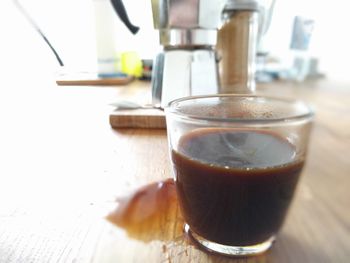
236 162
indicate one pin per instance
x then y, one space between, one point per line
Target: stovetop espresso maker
209 46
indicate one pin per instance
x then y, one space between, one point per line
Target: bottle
108 59
301 35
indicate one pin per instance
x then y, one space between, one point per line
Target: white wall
330 41
69 24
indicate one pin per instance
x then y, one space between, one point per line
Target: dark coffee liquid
235 186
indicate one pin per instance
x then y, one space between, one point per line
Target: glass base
238 251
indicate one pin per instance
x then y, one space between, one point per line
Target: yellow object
131 64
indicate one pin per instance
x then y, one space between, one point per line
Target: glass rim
309 112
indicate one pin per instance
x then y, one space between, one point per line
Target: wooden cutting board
89 78
138 118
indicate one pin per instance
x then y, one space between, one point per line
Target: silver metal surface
243 5
187 37
180 73
157 78
187 14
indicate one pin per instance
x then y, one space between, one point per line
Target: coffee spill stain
150 213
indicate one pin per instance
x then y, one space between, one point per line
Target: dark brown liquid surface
235 186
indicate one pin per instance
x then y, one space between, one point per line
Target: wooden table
62 166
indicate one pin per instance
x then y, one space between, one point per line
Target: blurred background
71 28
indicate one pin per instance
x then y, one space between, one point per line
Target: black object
120 9
36 27
117 5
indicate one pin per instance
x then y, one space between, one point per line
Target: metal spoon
130 105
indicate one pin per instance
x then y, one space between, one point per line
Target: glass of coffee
236 161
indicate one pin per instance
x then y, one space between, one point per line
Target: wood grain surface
62 167
89 78
138 118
